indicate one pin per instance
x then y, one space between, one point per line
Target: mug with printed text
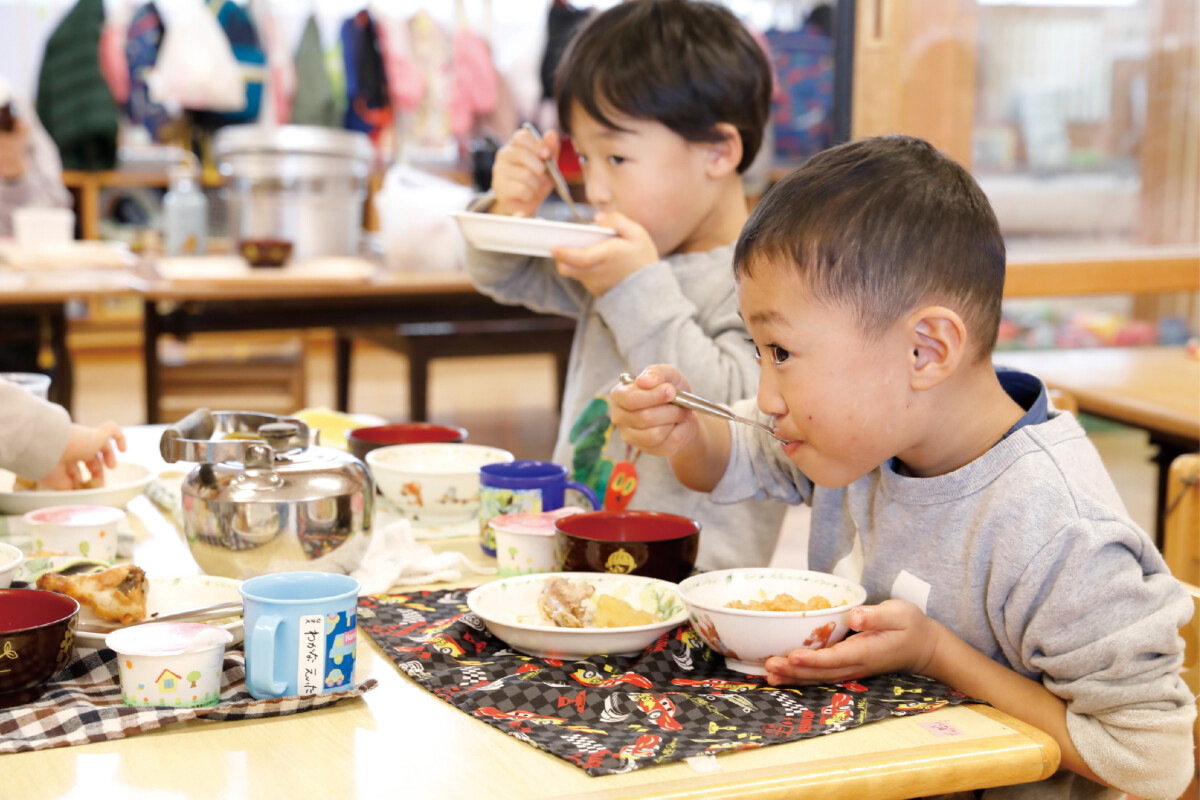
301 631
523 486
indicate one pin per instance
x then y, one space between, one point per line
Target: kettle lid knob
278 434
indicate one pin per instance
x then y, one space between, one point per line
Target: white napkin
395 559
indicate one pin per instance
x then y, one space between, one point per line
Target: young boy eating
665 102
992 543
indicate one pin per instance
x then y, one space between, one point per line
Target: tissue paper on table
395 559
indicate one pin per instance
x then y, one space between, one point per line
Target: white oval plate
508 607
121 485
171 595
526 236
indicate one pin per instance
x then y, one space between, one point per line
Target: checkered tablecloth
82 704
607 714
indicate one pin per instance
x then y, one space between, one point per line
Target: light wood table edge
893 776
1121 273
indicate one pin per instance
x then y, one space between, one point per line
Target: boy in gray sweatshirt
995 551
665 102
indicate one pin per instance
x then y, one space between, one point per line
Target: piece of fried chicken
117 594
562 602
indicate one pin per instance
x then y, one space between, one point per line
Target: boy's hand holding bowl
602 266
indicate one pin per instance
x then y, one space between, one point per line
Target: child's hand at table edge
91 446
894 636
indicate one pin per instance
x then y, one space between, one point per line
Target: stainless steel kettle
266 498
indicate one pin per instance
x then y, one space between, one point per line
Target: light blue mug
301 631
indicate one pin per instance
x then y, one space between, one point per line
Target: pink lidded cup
87 531
525 542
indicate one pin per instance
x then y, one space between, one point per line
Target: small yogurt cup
10 559
175 664
88 531
525 542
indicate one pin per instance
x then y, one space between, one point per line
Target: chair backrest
1063 401
1181 523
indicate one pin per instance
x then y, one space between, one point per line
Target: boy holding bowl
983 525
665 102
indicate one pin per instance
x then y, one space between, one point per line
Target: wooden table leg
343 352
62 390
150 333
1164 453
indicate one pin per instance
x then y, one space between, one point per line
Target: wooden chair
1191 675
1181 524
264 374
1063 401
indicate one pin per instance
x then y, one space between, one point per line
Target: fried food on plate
117 594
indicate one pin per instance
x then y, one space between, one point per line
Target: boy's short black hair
687 65
879 226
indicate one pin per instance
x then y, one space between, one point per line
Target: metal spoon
194 615
560 183
699 404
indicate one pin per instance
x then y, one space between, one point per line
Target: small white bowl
11 559
748 638
508 607
177 664
526 236
88 531
433 484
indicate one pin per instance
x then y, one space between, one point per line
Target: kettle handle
197 425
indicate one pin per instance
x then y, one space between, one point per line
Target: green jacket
73 101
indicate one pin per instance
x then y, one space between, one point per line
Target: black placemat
606 714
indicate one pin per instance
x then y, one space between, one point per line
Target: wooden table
387 299
1156 389
399 738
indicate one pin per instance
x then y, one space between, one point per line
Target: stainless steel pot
302 184
278 503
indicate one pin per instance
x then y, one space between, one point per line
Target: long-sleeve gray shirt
1028 555
681 311
33 433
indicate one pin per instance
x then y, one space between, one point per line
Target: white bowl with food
774 612
433 484
121 484
526 236
10 559
619 615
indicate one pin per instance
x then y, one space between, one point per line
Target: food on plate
563 602
26 485
576 605
782 602
613 612
117 594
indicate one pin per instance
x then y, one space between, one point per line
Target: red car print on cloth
589 677
659 709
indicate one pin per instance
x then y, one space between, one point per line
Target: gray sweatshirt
1028 555
681 311
33 433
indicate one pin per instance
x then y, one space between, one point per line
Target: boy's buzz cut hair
881 226
685 64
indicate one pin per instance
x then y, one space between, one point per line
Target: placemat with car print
608 714
82 704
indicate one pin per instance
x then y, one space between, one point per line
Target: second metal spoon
560 183
699 404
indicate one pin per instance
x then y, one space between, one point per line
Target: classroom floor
510 402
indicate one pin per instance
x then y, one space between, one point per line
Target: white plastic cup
35 383
39 228
80 531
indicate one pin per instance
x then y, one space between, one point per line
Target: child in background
665 102
39 442
983 525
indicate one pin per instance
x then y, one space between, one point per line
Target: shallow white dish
526 236
121 485
171 595
508 607
747 638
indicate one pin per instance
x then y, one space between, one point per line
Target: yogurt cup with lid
177 664
71 530
525 542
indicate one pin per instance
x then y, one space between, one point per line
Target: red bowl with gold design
37 637
650 543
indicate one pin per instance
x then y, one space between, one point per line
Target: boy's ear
938 340
725 154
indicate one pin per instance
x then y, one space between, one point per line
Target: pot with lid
265 497
301 184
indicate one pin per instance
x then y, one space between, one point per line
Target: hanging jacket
315 102
142 43
368 108
73 101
